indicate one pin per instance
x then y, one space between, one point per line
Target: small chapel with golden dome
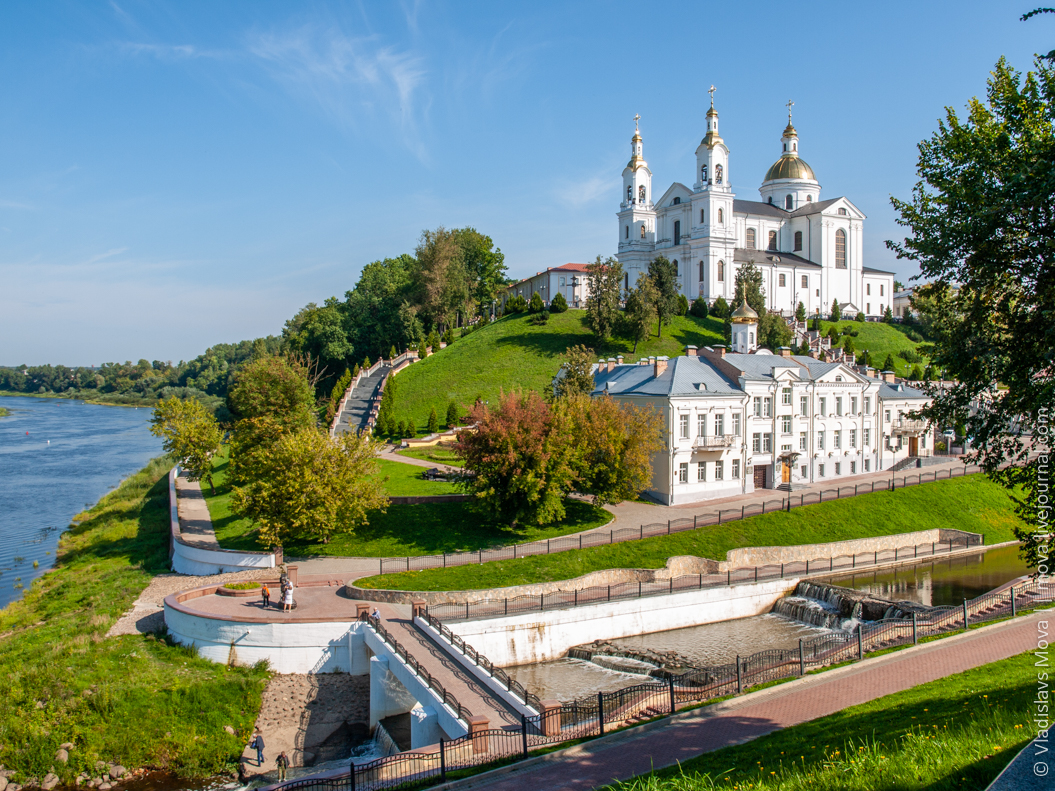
809 250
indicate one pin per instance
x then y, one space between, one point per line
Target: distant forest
453 277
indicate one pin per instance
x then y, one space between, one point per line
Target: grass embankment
437 454
512 354
955 733
401 529
971 503
879 339
134 700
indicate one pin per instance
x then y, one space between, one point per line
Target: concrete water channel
938 582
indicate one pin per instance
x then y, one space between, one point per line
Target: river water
58 456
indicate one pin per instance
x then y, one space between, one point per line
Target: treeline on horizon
452 277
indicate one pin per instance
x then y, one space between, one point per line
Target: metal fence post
443 761
965 614
694 521
351 776
860 642
673 706
915 634
1013 613
739 677
802 658
523 733
600 712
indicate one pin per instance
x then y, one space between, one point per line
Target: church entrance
760 477
785 472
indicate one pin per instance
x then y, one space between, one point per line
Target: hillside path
195 523
637 751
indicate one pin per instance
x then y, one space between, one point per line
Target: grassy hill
880 340
511 354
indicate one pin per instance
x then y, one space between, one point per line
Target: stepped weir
832 607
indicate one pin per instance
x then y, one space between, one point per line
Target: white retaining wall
539 637
202 561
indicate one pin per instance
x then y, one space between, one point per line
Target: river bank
132 700
88 397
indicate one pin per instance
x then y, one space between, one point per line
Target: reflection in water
710 644
941 582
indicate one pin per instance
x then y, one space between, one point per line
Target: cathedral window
701 271
788 202
675 202
750 238
772 240
798 241
717 174
626 281
629 194
642 230
881 290
783 281
809 199
703 174
868 289
641 193
842 212
840 249
627 229
721 217
721 271
677 230
805 281
770 200
701 216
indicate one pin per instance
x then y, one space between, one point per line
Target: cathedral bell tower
637 215
714 231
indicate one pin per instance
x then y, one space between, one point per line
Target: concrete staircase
358 407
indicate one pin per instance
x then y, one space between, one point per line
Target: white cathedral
808 250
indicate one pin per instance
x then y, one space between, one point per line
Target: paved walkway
637 751
194 521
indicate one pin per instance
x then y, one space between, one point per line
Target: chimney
643 361
720 349
690 351
619 359
813 353
785 351
660 365
888 376
652 359
611 364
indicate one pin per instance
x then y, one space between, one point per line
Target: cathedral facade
808 250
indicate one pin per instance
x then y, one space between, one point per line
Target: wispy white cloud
587 190
350 78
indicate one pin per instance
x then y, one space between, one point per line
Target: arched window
676 272
798 241
677 231
629 194
783 281
772 240
721 271
627 229
840 249
769 200
675 202
809 199
842 212
641 194
701 271
717 174
642 230
751 239
703 174
788 202
626 281
701 216
721 217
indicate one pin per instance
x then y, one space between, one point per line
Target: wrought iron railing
717 517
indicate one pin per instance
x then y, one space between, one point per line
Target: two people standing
285 595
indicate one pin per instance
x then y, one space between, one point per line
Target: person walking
258 745
265 592
282 762
287 600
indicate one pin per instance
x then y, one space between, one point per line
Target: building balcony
713 441
910 427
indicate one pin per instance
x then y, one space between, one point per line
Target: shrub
539 319
848 345
888 316
392 353
241 586
536 305
434 421
888 363
917 374
452 415
860 316
412 430
836 310
401 430
699 308
433 340
558 304
909 356
800 312
683 304
720 308
514 305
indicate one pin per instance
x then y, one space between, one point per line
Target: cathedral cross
636 119
711 92
789 105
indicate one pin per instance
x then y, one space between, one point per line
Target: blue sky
174 175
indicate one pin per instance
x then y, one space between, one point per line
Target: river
57 457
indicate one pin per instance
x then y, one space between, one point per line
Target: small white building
570 280
749 419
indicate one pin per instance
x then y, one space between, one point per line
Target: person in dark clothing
266 593
258 745
282 762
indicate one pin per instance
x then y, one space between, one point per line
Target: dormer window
842 211
675 202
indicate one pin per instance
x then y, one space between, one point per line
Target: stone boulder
50 781
62 756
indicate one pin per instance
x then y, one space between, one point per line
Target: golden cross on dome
636 119
789 105
711 92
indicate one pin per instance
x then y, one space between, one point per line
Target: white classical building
749 419
809 250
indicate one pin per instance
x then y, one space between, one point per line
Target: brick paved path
663 743
194 521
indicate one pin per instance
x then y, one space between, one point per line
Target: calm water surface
58 456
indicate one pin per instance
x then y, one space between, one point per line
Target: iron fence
616 536
591 716
563 599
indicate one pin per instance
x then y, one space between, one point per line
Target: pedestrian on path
258 745
287 600
265 592
282 762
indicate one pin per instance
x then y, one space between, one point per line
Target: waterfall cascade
384 744
832 607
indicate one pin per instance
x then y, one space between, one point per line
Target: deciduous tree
748 284
574 377
636 321
605 279
664 277
190 433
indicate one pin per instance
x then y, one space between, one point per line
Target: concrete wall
763 556
202 561
538 637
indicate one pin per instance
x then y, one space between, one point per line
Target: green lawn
880 340
437 454
970 503
402 529
134 700
955 733
512 354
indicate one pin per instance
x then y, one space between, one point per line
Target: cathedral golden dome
744 314
790 166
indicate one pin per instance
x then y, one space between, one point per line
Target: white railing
714 441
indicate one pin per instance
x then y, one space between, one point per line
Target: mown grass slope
512 354
954 733
971 503
879 340
134 700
